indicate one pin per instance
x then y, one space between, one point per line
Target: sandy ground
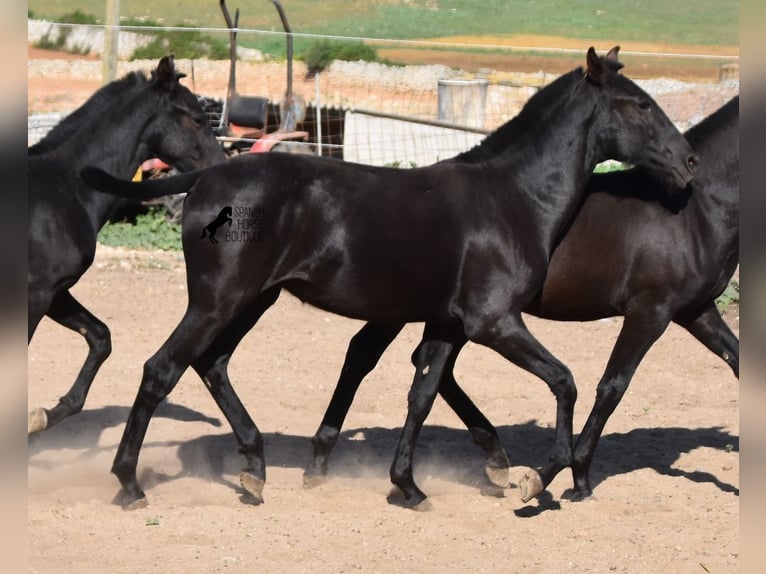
666 473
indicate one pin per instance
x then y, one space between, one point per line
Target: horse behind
629 251
121 125
463 247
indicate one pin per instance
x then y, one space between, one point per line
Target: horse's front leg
67 311
364 351
636 337
509 336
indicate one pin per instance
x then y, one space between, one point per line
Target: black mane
525 121
95 104
713 123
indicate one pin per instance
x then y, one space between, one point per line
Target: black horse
463 247
629 251
121 125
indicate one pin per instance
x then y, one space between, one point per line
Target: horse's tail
98 179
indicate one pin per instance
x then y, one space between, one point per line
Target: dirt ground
666 473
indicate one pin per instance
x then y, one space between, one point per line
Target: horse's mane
715 122
526 121
92 107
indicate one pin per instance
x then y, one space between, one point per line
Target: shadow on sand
367 452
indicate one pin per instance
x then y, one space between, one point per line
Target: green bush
78 17
729 297
47 42
322 53
183 45
151 231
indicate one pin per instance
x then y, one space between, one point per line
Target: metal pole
111 41
288 122
318 107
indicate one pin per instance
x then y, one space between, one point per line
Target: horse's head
632 128
179 133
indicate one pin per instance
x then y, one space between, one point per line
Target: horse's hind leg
636 337
67 311
709 328
212 367
194 334
483 432
437 352
364 351
511 338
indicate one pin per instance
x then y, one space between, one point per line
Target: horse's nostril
693 162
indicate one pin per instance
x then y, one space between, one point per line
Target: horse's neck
551 135
112 143
552 176
716 191
714 202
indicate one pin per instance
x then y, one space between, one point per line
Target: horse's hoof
37 421
417 502
498 476
492 490
531 485
136 504
253 486
130 502
574 495
313 479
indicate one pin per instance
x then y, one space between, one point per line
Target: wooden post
111 41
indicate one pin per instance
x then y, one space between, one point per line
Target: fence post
462 101
111 42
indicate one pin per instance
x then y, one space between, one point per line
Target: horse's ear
596 70
612 60
166 74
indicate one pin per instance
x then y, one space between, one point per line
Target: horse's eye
644 106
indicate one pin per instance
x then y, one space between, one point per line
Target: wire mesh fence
407 114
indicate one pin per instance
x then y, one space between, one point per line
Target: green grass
729 297
151 231
708 22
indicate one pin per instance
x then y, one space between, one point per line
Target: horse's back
328 228
620 250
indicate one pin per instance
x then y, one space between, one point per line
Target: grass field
709 22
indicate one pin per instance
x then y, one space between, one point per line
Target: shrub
730 296
151 231
78 17
48 42
322 53
184 45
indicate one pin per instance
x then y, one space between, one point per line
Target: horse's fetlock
325 436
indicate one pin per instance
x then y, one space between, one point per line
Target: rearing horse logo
223 217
